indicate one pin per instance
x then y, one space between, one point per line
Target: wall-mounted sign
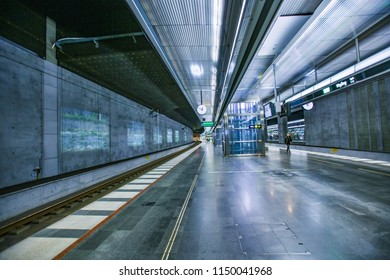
339 84
207 124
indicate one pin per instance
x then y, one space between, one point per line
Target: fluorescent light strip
378 57
230 67
217 10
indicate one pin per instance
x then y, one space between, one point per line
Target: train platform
202 205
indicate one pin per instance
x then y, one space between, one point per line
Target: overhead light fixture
196 70
310 73
217 13
378 57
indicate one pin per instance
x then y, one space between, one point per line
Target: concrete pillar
49 163
51 38
282 127
261 133
226 135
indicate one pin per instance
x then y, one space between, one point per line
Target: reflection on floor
279 206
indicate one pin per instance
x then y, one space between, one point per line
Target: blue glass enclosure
243 129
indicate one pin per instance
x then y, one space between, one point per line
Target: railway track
17 229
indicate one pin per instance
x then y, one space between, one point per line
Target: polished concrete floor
279 206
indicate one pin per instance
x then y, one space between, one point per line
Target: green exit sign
207 124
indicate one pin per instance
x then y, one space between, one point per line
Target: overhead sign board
339 84
207 124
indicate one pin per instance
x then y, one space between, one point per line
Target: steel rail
89 194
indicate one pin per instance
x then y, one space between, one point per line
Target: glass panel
242 131
272 133
136 134
243 148
83 130
297 131
177 137
157 137
169 136
242 108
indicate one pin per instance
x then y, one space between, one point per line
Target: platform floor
280 206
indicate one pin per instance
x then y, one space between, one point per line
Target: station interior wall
356 118
34 96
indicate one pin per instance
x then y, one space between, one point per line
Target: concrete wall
17 203
20 114
355 118
35 96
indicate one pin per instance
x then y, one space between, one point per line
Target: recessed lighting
196 70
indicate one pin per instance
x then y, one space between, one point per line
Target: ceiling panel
129 66
188 35
291 17
303 34
299 7
179 12
332 25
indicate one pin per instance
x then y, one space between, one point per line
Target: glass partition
297 131
243 130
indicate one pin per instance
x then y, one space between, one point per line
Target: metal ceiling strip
333 27
299 7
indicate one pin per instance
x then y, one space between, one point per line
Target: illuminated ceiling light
217 13
310 73
378 57
196 70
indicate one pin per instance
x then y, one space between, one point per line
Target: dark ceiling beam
260 22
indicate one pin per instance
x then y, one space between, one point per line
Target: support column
50 132
261 133
51 37
282 121
357 50
282 127
226 135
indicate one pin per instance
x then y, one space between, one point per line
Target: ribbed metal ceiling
189 32
299 7
203 51
179 12
129 66
332 25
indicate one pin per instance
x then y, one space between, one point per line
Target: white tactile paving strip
121 194
104 205
77 222
357 159
37 248
46 244
365 160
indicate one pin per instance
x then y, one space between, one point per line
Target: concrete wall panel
20 120
37 100
17 203
355 118
384 101
342 120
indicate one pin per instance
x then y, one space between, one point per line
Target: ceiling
173 55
